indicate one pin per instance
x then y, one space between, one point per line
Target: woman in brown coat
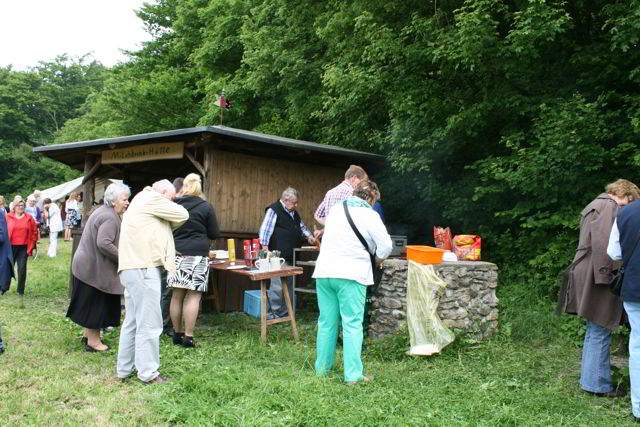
95 299
587 293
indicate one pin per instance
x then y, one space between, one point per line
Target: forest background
498 118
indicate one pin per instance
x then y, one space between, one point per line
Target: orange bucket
425 254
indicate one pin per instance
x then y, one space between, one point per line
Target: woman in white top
343 271
55 226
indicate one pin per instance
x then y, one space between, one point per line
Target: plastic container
425 254
252 303
399 243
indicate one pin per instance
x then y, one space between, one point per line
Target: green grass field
526 376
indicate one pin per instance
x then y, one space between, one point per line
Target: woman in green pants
343 271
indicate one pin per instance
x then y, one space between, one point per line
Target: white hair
114 191
163 185
289 193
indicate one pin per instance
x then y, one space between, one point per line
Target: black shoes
179 338
188 342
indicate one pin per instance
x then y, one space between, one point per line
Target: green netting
426 332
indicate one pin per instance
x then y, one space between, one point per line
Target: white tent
60 191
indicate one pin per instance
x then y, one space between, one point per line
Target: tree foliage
34 105
501 118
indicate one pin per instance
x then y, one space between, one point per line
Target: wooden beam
93 171
196 163
91 166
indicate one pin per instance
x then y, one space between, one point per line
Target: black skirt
92 308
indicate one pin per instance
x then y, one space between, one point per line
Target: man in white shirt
146 246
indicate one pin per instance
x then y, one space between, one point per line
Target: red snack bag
467 247
442 238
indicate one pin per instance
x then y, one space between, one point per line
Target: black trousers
165 302
20 257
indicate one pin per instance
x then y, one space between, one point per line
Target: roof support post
91 165
208 172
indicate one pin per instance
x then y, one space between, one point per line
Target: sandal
90 349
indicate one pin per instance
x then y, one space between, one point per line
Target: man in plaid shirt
352 178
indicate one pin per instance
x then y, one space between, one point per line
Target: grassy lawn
527 375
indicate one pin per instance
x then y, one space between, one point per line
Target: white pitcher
262 264
276 263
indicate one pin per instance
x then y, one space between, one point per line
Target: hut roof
223 138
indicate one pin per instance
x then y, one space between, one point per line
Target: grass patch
527 375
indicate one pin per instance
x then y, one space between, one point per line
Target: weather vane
223 103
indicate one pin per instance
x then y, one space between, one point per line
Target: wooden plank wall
242 186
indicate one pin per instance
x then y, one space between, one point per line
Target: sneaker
615 393
158 380
361 380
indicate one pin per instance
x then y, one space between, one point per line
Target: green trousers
340 298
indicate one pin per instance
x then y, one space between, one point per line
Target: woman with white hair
191 277
95 299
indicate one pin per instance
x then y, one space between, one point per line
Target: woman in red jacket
23 236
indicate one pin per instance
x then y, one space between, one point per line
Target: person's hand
318 233
312 240
379 262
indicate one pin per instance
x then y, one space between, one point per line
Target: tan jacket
587 294
146 238
96 259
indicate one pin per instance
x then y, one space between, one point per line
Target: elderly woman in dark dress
95 300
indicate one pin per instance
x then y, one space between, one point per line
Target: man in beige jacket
146 246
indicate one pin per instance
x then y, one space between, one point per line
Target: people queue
155 249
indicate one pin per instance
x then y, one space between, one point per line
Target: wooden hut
243 172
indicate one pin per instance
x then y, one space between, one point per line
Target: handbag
615 284
377 271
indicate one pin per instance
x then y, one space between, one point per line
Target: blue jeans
595 369
633 312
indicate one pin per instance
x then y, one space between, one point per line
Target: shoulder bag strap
355 229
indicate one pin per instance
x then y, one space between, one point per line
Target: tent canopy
60 191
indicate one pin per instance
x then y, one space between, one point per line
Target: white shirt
342 255
71 204
55 221
613 248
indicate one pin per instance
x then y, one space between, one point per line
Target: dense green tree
34 105
500 118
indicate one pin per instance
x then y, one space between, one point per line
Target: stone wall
469 304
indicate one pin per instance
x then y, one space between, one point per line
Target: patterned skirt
192 272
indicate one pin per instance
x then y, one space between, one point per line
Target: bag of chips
442 238
467 247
